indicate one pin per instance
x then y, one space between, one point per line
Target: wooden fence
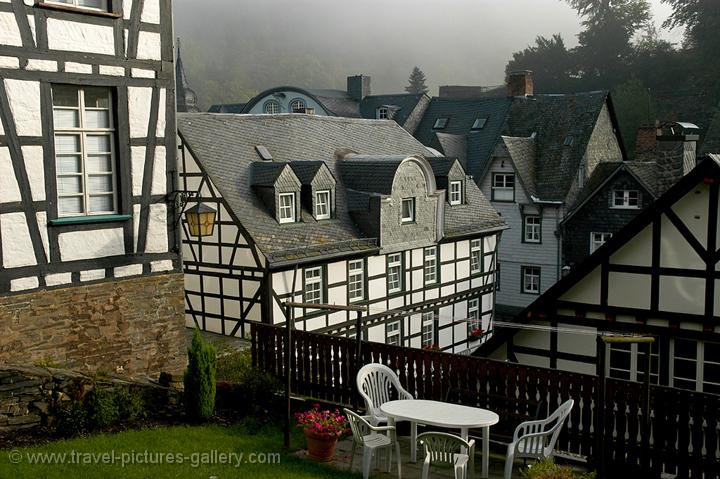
684 435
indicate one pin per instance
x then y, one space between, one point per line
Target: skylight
264 152
479 123
568 140
441 123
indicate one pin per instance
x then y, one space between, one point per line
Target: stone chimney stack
676 153
646 141
358 87
520 83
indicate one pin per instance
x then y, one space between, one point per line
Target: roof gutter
537 200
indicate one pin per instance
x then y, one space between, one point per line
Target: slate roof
462 113
454 145
224 145
265 173
523 151
338 102
227 108
306 170
370 174
711 142
405 103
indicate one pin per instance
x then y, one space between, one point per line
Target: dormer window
441 123
272 107
286 208
382 113
479 124
297 106
408 210
322 205
456 192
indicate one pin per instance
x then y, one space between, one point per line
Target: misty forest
233 52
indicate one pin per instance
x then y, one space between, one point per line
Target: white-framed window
101 5
695 365
428 329
456 192
286 209
441 123
532 229
503 187
393 333
313 285
628 199
85 157
476 256
430 265
408 210
322 205
473 315
271 107
394 273
598 239
627 361
382 113
356 280
297 105
531 279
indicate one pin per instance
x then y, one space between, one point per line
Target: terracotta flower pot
321 447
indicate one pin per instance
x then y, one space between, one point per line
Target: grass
194 446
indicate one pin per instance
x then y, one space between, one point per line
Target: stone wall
134 327
29 395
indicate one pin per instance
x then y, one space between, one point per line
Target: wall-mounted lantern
200 219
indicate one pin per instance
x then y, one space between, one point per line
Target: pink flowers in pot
330 424
476 333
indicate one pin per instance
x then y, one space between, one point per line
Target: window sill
90 219
624 207
71 9
408 222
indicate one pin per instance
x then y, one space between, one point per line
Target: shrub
71 418
200 379
246 385
130 403
102 409
549 470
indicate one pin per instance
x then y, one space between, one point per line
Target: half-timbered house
659 276
321 209
90 274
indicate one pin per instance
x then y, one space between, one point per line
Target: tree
416 82
550 62
199 379
701 18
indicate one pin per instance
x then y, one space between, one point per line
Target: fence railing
684 434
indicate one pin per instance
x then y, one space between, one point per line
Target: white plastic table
442 414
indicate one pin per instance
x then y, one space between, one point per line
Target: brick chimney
646 142
520 83
676 153
358 87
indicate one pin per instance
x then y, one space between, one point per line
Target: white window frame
326 204
524 270
430 265
394 273
356 280
456 192
382 113
313 287
628 197
476 256
427 332
82 133
597 239
276 107
393 333
407 219
299 101
636 372
473 319
532 231
699 362
76 4
282 209
500 191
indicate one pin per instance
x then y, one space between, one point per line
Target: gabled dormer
279 189
451 177
318 188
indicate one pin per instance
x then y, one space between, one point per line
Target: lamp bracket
179 199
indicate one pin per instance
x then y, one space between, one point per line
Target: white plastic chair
536 439
371 439
375 383
447 450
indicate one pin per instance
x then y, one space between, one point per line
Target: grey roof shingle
405 103
711 142
224 145
454 145
265 173
227 108
523 151
306 170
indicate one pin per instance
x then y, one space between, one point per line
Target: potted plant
322 430
477 333
431 347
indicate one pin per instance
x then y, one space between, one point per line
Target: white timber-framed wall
127 51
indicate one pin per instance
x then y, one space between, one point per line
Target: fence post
358 355
645 461
600 416
288 365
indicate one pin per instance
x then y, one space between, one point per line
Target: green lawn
196 447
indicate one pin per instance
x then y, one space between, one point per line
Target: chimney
520 83
646 142
358 87
676 153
